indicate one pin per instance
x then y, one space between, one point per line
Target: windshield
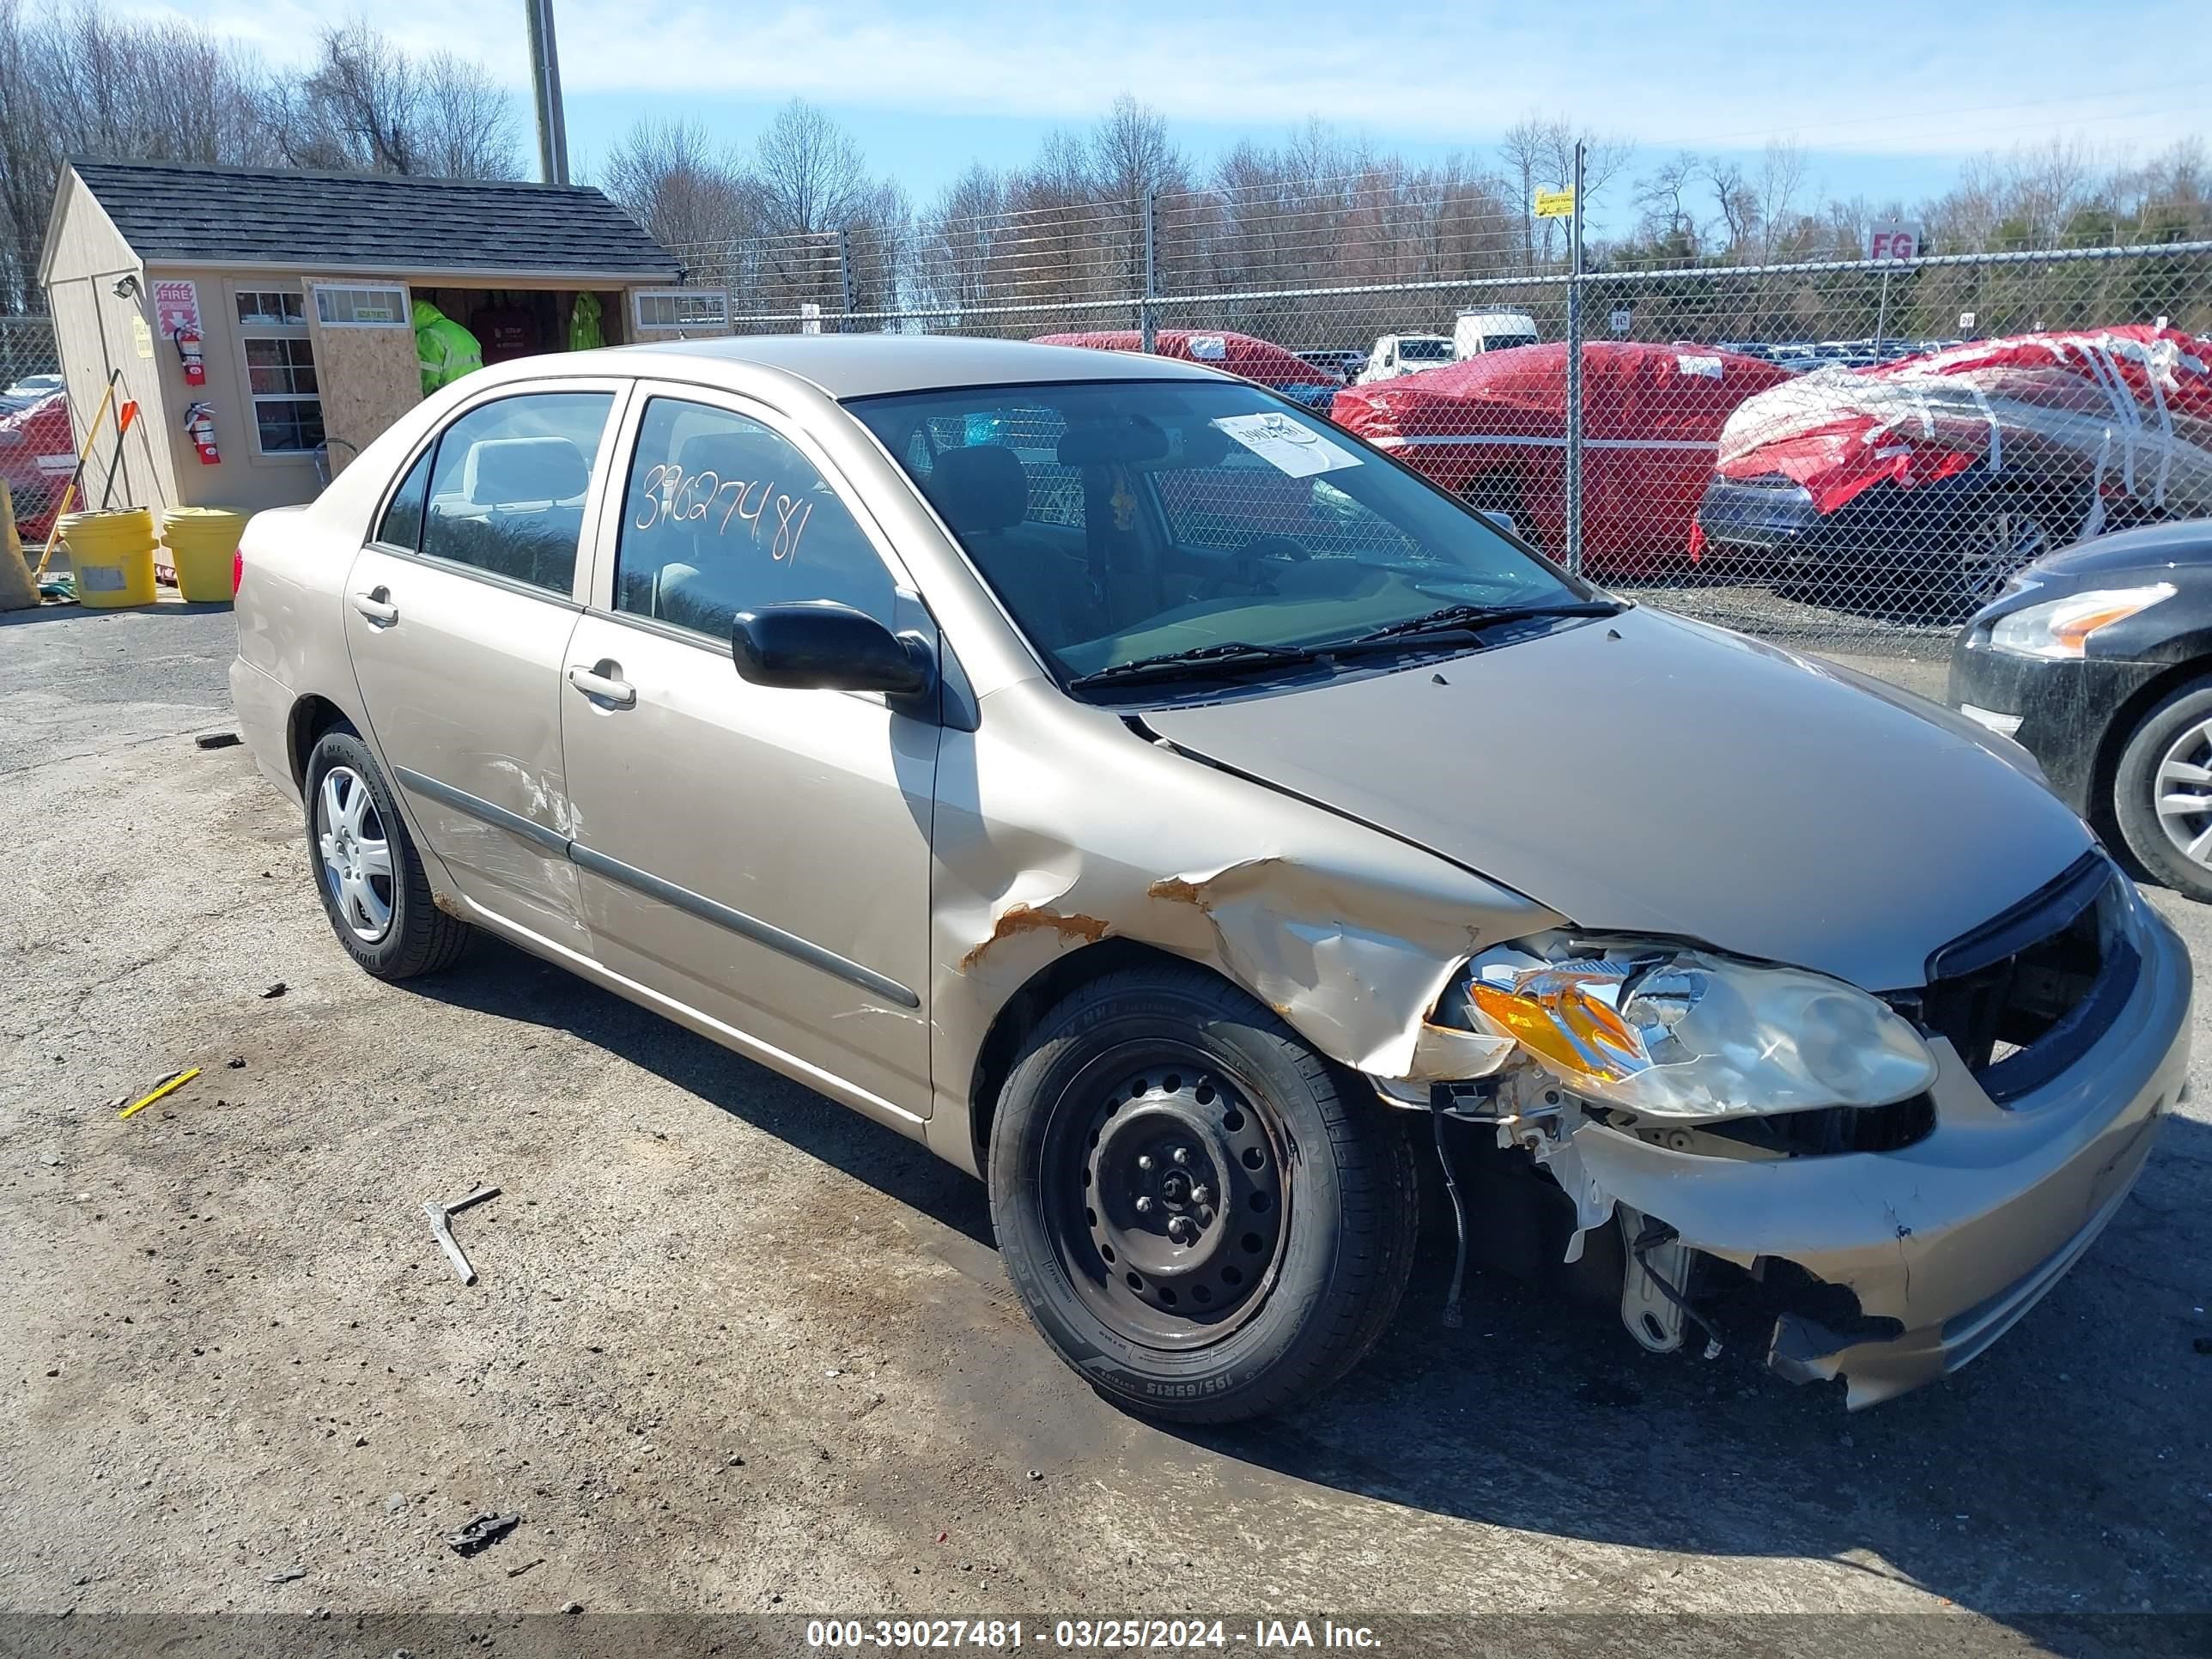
1425 351
1129 520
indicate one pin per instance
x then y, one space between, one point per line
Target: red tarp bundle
37 456
2103 416
1236 354
1493 428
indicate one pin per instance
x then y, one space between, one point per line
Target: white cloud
1682 74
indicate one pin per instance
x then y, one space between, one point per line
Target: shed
301 288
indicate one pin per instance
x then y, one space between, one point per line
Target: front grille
2025 995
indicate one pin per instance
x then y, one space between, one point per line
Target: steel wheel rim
2004 542
354 854
1191 1265
2181 794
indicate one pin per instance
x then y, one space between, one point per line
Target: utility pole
1574 548
545 93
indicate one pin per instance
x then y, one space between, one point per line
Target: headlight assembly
1668 1032
2059 630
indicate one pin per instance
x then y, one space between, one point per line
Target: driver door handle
606 687
376 605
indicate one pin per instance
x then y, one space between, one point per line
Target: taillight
237 571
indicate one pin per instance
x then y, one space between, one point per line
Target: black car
2098 661
1927 555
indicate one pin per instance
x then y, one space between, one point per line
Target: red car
1236 353
1492 430
37 456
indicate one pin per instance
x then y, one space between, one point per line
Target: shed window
280 371
681 307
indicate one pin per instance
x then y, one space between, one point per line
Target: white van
1404 354
1474 332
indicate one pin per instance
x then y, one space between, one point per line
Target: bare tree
812 176
673 182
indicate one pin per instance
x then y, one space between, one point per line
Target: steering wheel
1272 547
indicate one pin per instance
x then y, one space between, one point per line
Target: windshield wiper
1197 662
1460 618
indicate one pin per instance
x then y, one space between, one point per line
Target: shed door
364 346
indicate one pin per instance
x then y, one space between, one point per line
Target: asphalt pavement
735 1351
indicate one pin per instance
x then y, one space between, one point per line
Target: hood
2144 552
425 314
1643 773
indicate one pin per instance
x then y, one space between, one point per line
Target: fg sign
1894 240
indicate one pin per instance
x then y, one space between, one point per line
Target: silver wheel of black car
1198 1215
2162 791
2003 537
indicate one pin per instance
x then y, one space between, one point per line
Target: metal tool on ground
441 1216
483 1532
175 1080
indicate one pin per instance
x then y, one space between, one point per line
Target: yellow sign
1555 204
142 336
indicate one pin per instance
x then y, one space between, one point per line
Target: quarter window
280 371
722 515
507 488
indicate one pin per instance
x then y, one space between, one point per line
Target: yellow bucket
203 543
113 554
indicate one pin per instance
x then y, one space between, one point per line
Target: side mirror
820 645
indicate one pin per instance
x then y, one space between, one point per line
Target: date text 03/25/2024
1088 1635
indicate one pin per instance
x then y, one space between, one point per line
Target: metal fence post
845 280
1146 322
1574 410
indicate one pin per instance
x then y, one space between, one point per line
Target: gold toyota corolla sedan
1167 807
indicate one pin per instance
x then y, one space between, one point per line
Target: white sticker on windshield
1706 368
1208 348
1284 445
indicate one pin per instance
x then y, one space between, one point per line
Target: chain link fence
1839 452
36 451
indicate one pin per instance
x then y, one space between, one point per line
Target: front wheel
2162 791
1194 1212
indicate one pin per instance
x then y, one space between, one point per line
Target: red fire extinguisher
188 349
199 426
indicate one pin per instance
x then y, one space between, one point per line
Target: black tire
2136 788
1313 1191
419 938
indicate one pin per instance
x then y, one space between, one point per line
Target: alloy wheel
2182 791
355 854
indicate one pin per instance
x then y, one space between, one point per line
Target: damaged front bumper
1912 1262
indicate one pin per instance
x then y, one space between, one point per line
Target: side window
402 514
507 490
722 515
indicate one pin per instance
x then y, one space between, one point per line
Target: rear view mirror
820 645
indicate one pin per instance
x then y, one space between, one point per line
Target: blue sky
1887 103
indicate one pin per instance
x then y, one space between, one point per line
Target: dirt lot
736 1351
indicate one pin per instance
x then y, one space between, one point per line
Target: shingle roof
232 216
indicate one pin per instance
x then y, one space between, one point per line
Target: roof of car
866 365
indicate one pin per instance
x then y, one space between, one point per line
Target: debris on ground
483 1532
517 1572
237 1064
173 1081
441 1216
288 1575
572 1607
276 990
218 740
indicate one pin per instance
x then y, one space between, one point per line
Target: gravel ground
735 1350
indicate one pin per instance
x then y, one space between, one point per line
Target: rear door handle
603 682
376 605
